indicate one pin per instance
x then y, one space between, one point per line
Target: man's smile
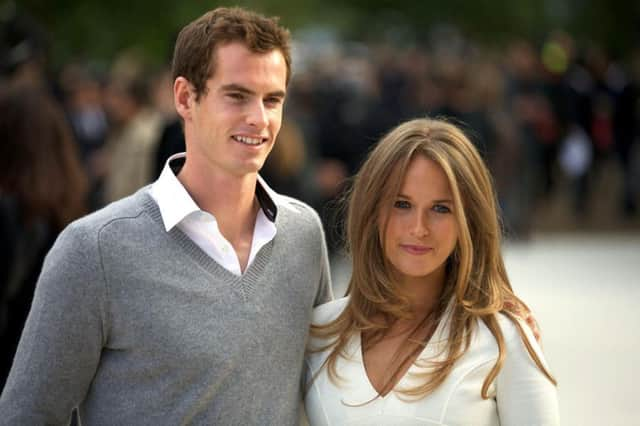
247 140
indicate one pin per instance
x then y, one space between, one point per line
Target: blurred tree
98 30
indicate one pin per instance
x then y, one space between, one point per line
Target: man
189 301
129 150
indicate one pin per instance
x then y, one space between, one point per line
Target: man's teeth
247 140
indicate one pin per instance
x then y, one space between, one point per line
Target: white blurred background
584 290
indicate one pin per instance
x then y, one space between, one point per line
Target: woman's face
421 230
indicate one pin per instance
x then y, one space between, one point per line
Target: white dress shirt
178 209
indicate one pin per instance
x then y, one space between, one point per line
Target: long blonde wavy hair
476 287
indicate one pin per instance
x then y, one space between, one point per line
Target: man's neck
229 198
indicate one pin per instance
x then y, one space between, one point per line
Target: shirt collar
175 203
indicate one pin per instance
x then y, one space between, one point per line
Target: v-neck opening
430 344
212 266
244 283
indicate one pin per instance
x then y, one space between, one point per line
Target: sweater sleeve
325 292
524 394
60 347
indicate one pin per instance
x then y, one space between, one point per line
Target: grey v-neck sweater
136 325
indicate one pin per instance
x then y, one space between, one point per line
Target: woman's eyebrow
439 200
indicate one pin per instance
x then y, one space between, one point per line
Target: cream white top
521 395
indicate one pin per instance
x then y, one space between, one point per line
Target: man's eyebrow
238 88
278 94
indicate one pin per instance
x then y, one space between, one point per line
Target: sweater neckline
245 283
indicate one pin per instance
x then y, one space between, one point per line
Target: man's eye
273 101
402 204
236 96
440 208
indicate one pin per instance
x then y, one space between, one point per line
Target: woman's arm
525 396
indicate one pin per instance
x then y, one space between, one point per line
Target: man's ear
183 97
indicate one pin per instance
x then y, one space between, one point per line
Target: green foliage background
98 29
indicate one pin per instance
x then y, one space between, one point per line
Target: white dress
521 395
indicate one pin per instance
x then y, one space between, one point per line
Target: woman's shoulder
318 347
509 328
327 312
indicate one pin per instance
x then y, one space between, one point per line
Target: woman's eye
440 208
401 204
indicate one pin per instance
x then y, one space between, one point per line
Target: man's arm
325 290
60 347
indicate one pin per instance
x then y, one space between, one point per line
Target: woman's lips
415 249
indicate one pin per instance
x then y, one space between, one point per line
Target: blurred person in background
84 105
460 102
430 327
42 188
538 126
597 84
135 130
171 139
627 130
488 82
23 50
285 166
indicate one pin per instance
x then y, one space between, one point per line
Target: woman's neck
424 293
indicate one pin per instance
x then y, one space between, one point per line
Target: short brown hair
194 54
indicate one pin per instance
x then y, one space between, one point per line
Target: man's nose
257 115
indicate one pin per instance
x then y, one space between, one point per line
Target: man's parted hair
194 54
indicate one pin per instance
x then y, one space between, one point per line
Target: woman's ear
183 97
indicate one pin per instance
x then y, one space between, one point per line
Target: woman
427 334
42 188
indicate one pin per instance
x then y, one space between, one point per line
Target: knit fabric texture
136 325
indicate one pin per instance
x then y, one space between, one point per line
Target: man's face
233 127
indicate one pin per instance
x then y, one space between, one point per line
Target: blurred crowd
544 114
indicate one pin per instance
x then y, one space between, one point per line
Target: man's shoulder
296 210
127 208
292 204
